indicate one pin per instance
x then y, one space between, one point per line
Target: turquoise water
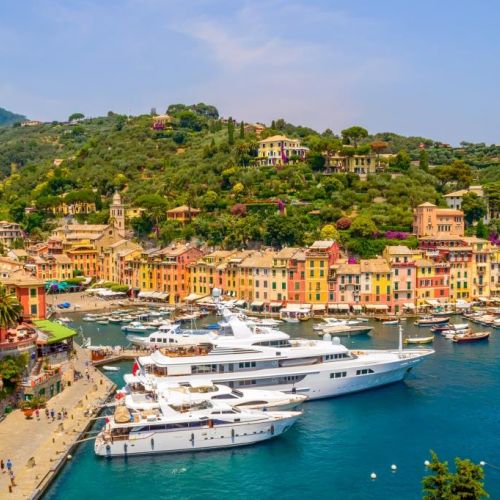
449 404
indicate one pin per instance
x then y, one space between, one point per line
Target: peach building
431 221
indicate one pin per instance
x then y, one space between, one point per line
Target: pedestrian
58 415
9 465
53 414
47 413
2 466
12 478
37 413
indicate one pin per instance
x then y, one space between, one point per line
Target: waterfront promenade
37 447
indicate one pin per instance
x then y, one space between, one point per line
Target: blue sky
418 68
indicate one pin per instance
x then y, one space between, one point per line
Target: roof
258 260
455 194
286 253
183 208
322 244
426 204
83 227
19 252
448 211
55 331
374 266
473 239
346 268
399 250
62 258
20 277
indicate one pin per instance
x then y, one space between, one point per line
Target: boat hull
195 438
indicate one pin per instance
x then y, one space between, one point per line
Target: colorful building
431 221
279 149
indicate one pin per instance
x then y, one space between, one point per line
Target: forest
204 161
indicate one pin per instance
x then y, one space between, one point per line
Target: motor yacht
188 425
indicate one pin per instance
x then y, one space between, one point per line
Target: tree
329 232
230 131
242 130
10 311
466 483
423 161
316 161
481 229
155 205
401 161
12 367
473 207
363 227
343 223
458 173
76 116
353 135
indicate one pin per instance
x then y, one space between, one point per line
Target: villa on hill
279 150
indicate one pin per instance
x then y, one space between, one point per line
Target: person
9 465
53 414
12 478
47 413
2 466
37 413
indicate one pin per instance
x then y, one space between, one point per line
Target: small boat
418 340
391 322
431 320
110 368
115 319
88 318
291 320
346 330
135 326
453 326
102 321
362 320
470 337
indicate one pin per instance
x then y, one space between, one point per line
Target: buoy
373 475
482 463
427 463
394 468
69 457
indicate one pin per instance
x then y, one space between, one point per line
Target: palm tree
10 311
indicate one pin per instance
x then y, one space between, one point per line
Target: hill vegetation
9 118
208 163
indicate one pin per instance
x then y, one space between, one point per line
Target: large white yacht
139 396
188 425
315 368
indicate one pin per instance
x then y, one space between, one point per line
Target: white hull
195 438
315 381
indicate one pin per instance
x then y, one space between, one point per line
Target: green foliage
329 232
10 309
423 161
76 116
230 131
8 118
363 227
458 173
401 162
466 483
473 207
354 134
12 367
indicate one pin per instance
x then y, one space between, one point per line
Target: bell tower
117 214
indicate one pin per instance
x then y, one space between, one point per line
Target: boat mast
400 348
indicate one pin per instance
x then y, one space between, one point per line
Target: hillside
193 161
8 118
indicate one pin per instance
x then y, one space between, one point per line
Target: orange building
431 221
30 292
84 258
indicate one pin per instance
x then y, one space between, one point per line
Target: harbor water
450 404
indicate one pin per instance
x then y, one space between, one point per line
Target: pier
112 356
38 449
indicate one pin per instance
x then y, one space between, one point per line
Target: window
34 310
33 292
364 371
338 375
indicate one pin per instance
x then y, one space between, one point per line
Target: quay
38 449
105 356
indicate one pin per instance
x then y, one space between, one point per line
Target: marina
341 444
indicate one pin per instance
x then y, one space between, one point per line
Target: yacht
271 360
328 321
135 326
188 425
137 396
346 330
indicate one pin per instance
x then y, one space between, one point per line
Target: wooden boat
430 321
471 337
418 340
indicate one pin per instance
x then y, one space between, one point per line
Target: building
455 199
349 162
162 122
117 214
77 207
134 212
208 272
431 221
297 277
279 150
432 282
183 213
9 233
319 257
254 128
51 267
375 291
402 262
84 258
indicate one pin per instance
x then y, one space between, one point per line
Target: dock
113 356
39 449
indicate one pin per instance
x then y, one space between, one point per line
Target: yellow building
134 212
77 207
208 272
84 258
319 257
255 279
279 149
239 283
481 266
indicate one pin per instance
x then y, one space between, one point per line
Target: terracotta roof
374 266
426 204
260 260
322 244
286 253
182 209
400 250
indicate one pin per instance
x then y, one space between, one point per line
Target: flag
135 368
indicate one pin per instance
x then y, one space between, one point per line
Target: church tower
117 214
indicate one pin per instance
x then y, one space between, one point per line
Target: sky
426 68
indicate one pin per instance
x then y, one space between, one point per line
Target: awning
357 307
54 331
377 307
192 296
318 307
343 307
433 302
275 304
257 303
240 303
409 305
332 307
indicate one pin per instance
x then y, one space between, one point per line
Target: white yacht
189 425
135 326
329 321
271 360
138 396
